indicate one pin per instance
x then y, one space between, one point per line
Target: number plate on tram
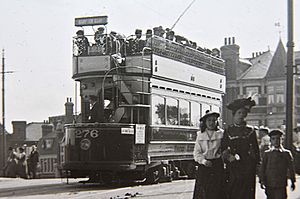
87 133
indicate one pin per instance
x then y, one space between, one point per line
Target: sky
37 38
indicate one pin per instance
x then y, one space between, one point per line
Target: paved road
58 188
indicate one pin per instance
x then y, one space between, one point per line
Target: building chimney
69 111
46 129
19 130
225 41
253 55
230 53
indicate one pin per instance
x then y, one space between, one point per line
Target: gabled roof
277 68
267 65
260 66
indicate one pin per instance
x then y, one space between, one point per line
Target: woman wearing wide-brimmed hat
207 153
240 152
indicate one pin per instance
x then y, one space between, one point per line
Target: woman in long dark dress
207 153
240 152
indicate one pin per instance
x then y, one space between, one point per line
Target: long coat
241 143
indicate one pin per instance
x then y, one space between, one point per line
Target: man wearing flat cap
240 152
138 43
99 36
277 166
82 43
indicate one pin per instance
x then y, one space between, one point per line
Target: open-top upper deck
98 57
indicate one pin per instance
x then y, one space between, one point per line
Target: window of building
275 123
298 101
253 122
279 89
262 101
195 113
270 89
158 110
184 108
279 98
270 99
172 111
205 107
253 91
298 89
280 109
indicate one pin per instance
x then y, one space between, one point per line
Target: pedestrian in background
264 141
207 153
21 163
11 164
240 152
32 162
277 166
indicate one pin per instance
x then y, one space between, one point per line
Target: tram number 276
87 132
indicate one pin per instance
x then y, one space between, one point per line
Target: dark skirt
210 181
240 185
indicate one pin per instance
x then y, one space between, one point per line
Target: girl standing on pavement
240 152
207 153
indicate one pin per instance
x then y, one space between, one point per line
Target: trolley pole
290 77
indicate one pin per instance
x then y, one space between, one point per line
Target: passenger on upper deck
148 34
215 52
149 38
82 43
181 40
114 44
100 39
170 35
159 31
138 43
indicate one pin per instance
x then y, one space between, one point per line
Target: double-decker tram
149 96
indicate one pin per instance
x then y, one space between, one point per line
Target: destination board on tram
91 21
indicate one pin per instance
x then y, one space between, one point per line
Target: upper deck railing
130 46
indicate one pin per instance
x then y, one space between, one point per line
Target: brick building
263 77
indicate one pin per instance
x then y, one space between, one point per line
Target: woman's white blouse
208 145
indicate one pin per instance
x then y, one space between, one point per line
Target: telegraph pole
3 109
290 76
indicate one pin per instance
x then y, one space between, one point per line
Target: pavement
186 185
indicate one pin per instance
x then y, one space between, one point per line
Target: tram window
205 107
184 107
215 109
195 113
158 110
172 111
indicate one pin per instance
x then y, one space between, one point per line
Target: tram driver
95 111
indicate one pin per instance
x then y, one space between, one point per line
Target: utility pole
290 76
3 109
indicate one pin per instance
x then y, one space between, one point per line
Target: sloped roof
267 65
260 66
277 68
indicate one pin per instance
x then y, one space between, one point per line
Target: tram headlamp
85 144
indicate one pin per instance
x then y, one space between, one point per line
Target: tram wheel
152 177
